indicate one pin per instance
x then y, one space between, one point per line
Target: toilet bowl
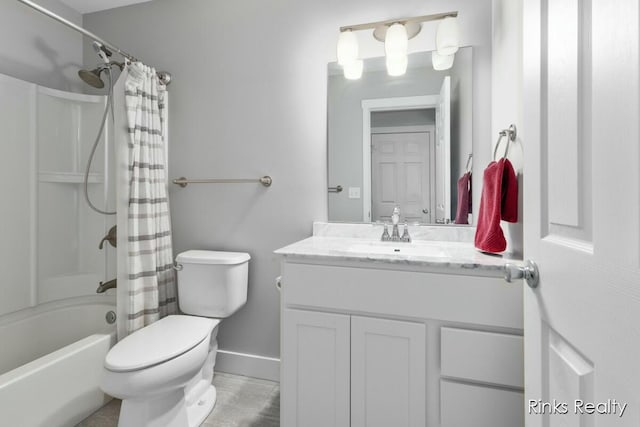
163 372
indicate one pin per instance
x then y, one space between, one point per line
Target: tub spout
111 284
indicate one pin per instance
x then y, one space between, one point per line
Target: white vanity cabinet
375 345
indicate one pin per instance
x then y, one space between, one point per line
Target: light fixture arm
404 21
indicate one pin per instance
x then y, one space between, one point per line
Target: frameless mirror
401 141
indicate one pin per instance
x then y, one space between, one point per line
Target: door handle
425 211
529 272
336 189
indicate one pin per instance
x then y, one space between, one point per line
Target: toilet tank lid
212 257
163 340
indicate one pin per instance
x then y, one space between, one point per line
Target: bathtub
51 358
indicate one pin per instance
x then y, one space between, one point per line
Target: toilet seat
166 339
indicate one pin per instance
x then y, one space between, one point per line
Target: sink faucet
395 233
111 284
395 219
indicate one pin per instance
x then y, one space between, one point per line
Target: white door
388 373
582 216
401 169
315 369
443 154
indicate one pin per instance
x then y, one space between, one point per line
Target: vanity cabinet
316 383
388 380
340 371
378 346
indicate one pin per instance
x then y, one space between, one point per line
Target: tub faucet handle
111 237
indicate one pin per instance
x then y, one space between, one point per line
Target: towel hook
511 135
466 168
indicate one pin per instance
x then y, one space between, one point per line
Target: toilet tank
211 283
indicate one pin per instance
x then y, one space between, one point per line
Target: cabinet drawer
482 356
465 405
407 294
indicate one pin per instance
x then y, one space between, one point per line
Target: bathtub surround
257 106
52 323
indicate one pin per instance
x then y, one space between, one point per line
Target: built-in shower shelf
69 177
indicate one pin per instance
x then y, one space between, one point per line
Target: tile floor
242 402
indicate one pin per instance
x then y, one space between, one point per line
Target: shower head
92 77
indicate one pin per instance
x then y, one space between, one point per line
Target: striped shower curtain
150 285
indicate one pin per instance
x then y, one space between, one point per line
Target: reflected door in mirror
402 175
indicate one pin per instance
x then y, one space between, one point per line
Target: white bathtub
51 358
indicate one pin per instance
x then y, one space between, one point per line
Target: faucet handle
385 234
111 237
405 233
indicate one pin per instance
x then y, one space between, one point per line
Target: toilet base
168 410
186 406
200 410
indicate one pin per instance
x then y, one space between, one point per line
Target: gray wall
508 100
249 98
36 48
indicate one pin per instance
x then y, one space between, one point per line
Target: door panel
582 207
388 378
315 366
401 175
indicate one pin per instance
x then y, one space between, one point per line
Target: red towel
499 201
464 199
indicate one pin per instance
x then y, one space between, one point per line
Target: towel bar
183 182
510 134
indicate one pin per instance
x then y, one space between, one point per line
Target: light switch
354 192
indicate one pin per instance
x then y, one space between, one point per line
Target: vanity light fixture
347 53
396 49
447 39
347 47
353 70
395 34
441 62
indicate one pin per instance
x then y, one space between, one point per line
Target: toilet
163 372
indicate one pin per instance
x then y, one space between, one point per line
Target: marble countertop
419 253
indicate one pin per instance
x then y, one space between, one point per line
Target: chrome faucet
111 284
405 234
395 233
395 219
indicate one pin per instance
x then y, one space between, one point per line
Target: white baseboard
250 365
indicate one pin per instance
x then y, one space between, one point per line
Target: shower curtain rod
78 28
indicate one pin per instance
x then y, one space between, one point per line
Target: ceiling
88 6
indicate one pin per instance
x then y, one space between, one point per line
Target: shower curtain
146 278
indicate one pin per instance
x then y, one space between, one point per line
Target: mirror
401 141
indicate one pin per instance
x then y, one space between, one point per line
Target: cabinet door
388 377
315 369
